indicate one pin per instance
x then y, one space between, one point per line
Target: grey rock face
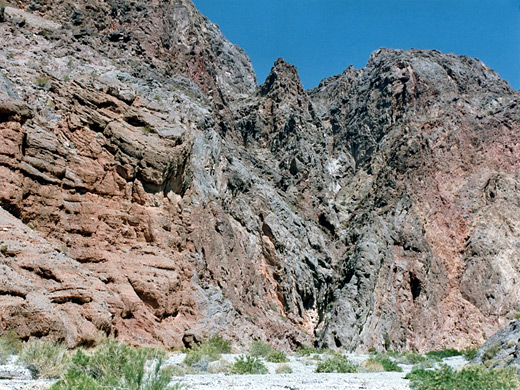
502 349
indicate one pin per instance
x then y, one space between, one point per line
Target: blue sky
323 37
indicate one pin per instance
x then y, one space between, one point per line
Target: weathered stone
172 199
502 349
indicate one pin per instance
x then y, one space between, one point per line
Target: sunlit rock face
153 192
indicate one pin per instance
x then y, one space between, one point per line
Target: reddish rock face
165 200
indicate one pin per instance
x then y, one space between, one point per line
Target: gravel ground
303 377
308 381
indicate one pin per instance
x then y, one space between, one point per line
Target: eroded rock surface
178 200
502 349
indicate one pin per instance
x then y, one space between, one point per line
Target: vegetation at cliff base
48 359
337 363
248 365
468 378
116 366
261 349
208 351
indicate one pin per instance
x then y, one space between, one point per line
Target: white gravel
308 381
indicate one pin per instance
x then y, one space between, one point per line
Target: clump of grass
372 365
259 348
42 82
47 358
443 353
307 350
410 357
9 345
389 365
276 356
382 362
220 366
116 366
337 363
208 351
470 352
251 365
284 369
468 378
491 352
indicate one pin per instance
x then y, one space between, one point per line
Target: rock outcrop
502 349
165 197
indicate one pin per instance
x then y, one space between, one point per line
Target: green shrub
381 362
284 369
470 352
115 366
277 357
259 348
411 358
468 378
248 365
220 344
443 353
307 350
49 359
10 345
389 365
336 363
209 350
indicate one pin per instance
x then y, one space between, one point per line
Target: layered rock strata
166 198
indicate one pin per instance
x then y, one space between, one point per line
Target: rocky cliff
166 197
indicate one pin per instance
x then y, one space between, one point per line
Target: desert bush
307 350
381 362
208 351
221 366
410 357
336 363
259 348
220 344
470 352
9 345
372 365
390 365
248 365
284 369
468 378
47 358
275 356
116 366
443 353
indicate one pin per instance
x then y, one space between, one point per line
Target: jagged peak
283 80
